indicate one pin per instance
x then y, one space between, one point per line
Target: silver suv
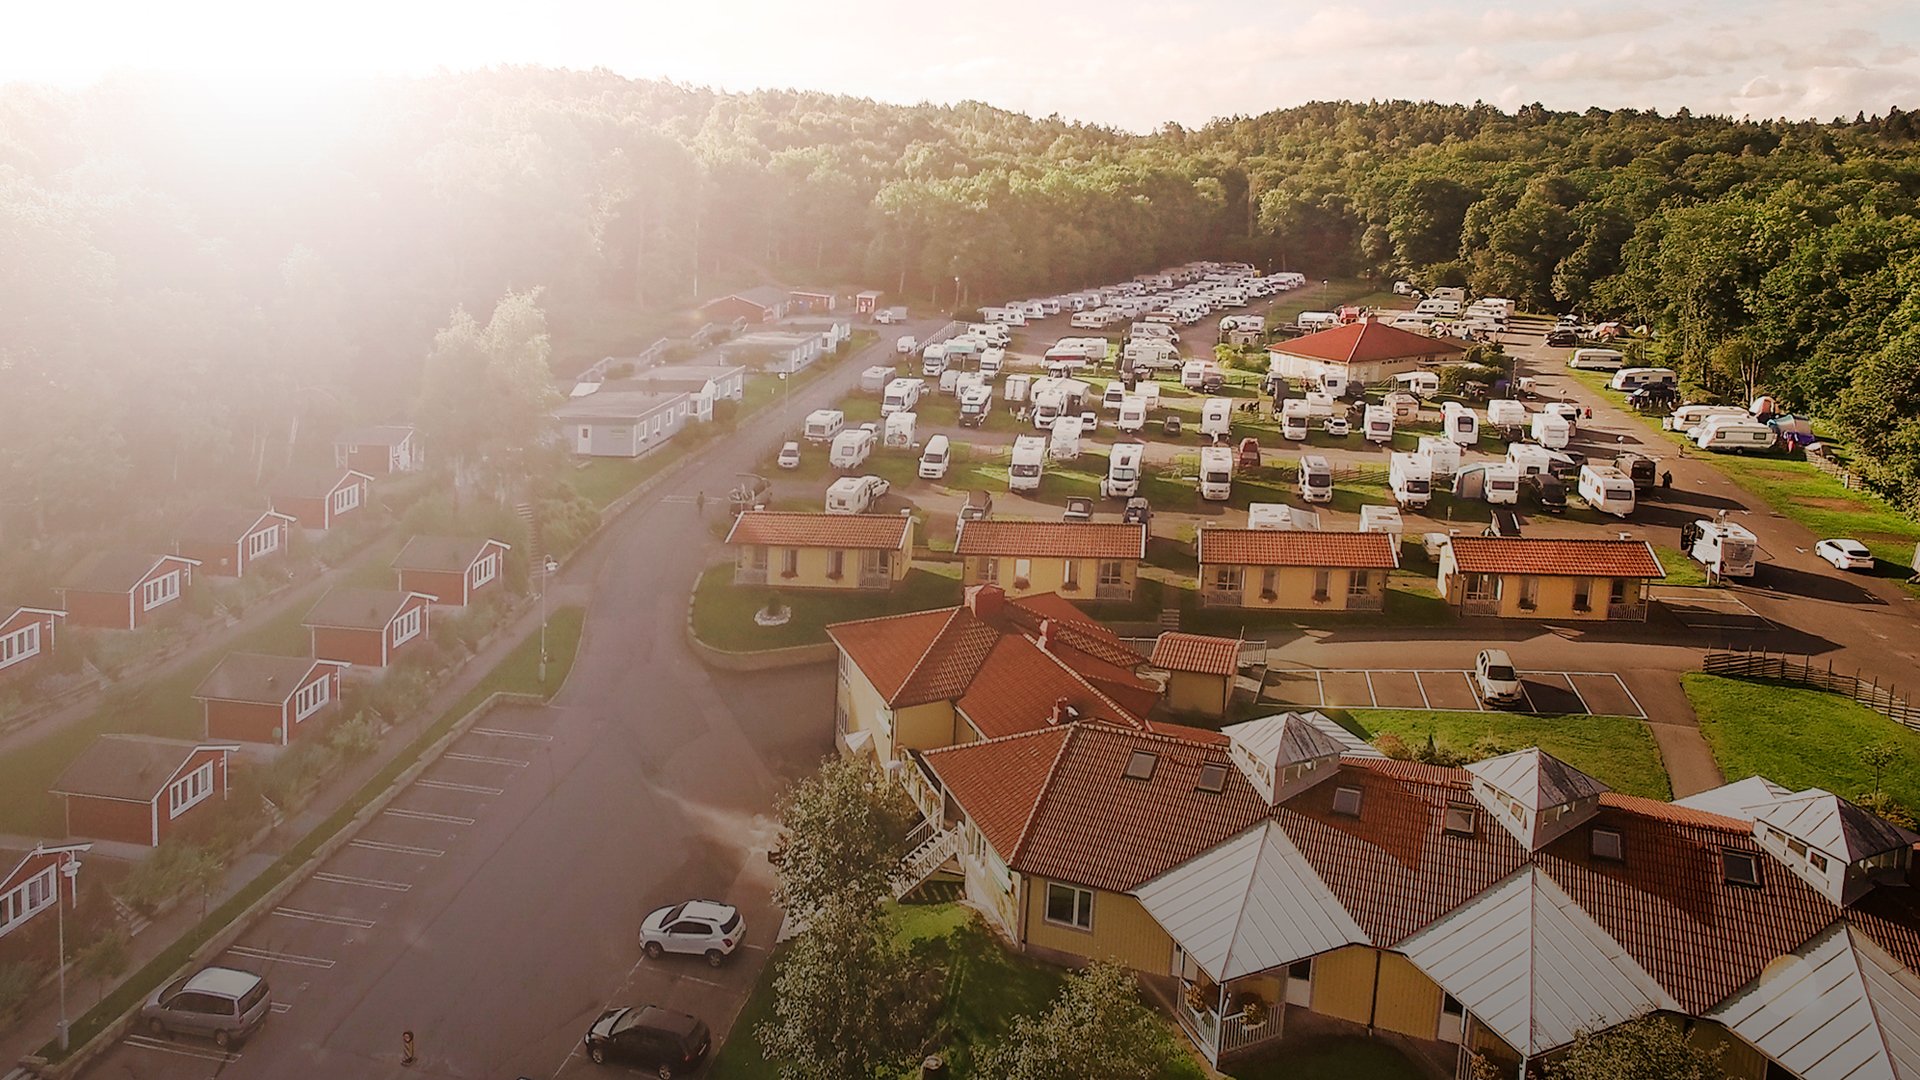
223 1004
698 927
1494 677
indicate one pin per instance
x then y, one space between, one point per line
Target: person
1666 480
1589 412
700 502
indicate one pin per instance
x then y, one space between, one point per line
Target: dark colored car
1568 464
1138 512
1547 490
1562 338
670 1043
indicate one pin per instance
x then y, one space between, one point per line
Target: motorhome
1378 426
1279 517
1424 383
1596 360
1500 484
1411 479
1060 361
992 333
874 380
1442 454
1151 354
1092 349
1641 469
935 458
824 424
1033 309
1123 471
1316 479
1049 401
1320 405
1216 417
902 395
1381 519
994 314
1029 459
976 403
1317 320
1016 388
1499 306
851 448
1216 473
1734 435
1607 489
1443 309
1634 378
1726 549
1133 414
897 432
933 360
1449 292
854 494
1294 418
1462 424
1147 330
1063 440
1405 406
1507 413
1687 417
1530 458
1552 430
949 383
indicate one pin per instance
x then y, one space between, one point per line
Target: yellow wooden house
1564 579
848 552
1295 570
1084 561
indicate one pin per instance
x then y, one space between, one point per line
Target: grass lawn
1615 749
1800 737
602 480
1350 1058
723 612
1681 570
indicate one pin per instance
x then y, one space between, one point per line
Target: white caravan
1507 413
1552 430
851 448
1443 455
1596 360
1294 416
1216 473
1462 424
1723 547
1411 479
897 434
1607 489
1216 417
1735 435
1378 426
1123 471
902 395
1063 443
1316 479
824 424
1500 484
1687 417
1029 459
1133 414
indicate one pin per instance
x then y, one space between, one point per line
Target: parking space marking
703 982
270 956
362 882
1373 699
1576 696
1425 702
322 917
503 733
148 1042
281 1007
472 789
422 815
397 849
485 760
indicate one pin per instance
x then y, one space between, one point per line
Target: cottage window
27 899
161 590
1817 861
263 542
312 697
1270 583
1111 573
1022 573
346 498
1346 801
1357 582
486 569
1322 584
1740 867
1070 574
407 626
1483 587
190 790
790 562
1607 845
1068 905
836 564
1583 594
22 644
1617 591
990 570
1226 578
876 562
1300 970
757 557
1529 593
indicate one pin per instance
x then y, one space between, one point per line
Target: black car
1138 512
670 1043
1568 464
1548 491
1562 337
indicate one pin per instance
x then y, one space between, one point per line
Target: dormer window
1346 801
1607 844
1459 820
1817 860
1213 778
1740 868
1141 764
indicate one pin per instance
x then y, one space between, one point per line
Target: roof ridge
1009 737
1141 721
1266 826
895 615
1046 789
928 651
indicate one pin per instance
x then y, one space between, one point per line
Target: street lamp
546 570
69 869
956 292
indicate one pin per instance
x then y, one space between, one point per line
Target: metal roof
1835 825
1837 1008
1537 779
1741 799
1069 539
349 608
1286 739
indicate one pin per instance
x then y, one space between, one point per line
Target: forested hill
185 285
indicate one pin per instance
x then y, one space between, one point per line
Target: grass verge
1617 750
1800 737
723 611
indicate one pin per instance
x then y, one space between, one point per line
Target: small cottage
137 789
124 590
319 499
26 639
266 699
368 627
451 569
379 451
228 542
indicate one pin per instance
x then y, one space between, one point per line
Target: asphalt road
493 910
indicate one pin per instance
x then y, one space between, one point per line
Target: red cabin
451 569
228 542
30 883
318 499
125 590
367 627
137 789
267 699
379 451
26 639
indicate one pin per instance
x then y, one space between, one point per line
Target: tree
485 391
850 1003
1096 1029
842 835
1650 1048
102 959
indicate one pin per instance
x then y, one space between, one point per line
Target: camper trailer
1530 458
1607 489
1727 550
1596 360
1462 424
874 380
855 494
1317 320
1412 480
1049 402
992 361
1500 484
851 448
1133 414
824 424
1115 394
1641 469
1063 442
1123 471
935 458
1552 430
1507 413
1381 519
1734 435
1029 458
1193 373
1687 417
897 432
1316 479
1216 417
1424 383
1016 388
1333 384
1379 424
1634 378
1216 473
1443 455
902 395
1279 517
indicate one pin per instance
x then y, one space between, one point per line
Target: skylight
1459 820
1607 844
1346 801
1741 867
1141 765
1213 777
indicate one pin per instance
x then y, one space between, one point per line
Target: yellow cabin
1285 570
821 551
1548 577
1082 561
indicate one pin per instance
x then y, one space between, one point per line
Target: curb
791 656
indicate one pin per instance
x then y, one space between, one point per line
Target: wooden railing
1882 698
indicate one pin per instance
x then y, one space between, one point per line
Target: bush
356 738
566 523
173 869
17 983
1393 746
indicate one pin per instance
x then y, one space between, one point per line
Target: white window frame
264 542
1082 907
406 626
189 791
19 903
347 498
312 697
486 569
164 589
20 646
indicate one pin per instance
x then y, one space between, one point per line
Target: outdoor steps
921 863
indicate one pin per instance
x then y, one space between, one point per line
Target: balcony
1119 592
749 575
1632 612
1214 597
876 579
1480 606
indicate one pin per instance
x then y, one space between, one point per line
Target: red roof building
1296 570
1362 352
1524 577
228 542
27 639
1088 561
125 590
368 627
821 551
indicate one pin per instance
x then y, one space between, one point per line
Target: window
1111 573
876 562
1022 573
1483 587
1226 578
1818 861
1070 574
836 564
1346 801
757 558
1607 845
263 542
1141 764
1357 582
22 644
1322 582
161 590
1270 583
1796 847
312 697
1069 906
989 570
1740 867
27 899
586 433
789 563
1582 594
1301 970
346 498
407 626
188 791
1458 820
486 569
1529 593
1617 591
1213 777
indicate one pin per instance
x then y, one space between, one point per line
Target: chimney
1063 712
985 601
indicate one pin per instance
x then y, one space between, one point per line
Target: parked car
1547 491
670 1043
1079 508
1562 337
1338 427
979 505
706 928
1845 554
1170 426
789 456
223 1004
1494 677
1566 464
1505 523
1138 512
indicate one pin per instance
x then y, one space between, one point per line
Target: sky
1123 63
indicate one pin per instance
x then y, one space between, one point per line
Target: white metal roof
1533 966
1741 799
1538 779
1834 825
1250 904
1288 738
1839 1008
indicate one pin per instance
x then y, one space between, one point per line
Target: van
1641 469
1442 309
1378 425
935 458
1735 436
1216 417
1316 479
1634 378
1500 484
1411 479
906 345
1216 473
851 448
1029 458
1462 424
1596 360
824 424
1123 471
975 403
1607 489
902 395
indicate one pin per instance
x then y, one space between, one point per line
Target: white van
905 345
1634 378
1123 471
1316 479
1596 360
824 424
902 395
1735 435
1216 473
1462 424
851 448
935 458
1607 489
1216 417
1442 309
1029 458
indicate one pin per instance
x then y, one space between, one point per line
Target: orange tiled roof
1047 539
886 532
1365 342
889 649
1018 686
1197 652
1555 556
1285 547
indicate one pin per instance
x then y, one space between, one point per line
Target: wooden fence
1882 698
1821 459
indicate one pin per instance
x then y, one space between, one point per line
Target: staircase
273 812
535 552
921 863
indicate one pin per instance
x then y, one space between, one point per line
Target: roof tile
885 532
1285 547
1366 341
1196 653
1555 556
1049 539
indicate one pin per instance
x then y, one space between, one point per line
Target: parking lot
1599 693
1708 609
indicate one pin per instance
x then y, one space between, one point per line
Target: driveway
1599 693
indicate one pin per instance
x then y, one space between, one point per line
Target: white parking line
485 760
148 1042
362 882
1373 699
444 785
270 956
397 849
1576 695
1425 702
281 1007
702 982
1624 688
422 815
322 917
503 733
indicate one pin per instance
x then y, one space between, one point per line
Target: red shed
318 498
266 699
30 882
26 639
137 789
760 304
451 569
379 451
367 627
124 590
227 542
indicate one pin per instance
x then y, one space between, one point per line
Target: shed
320 498
124 590
266 699
137 789
451 569
379 451
866 302
1200 671
229 541
367 627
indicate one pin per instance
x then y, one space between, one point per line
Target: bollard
407 1055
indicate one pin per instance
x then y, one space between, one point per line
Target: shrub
173 869
17 983
356 738
566 523
1393 746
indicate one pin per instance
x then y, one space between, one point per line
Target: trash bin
933 1068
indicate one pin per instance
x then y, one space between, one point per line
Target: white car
906 345
789 456
1845 554
697 927
1338 426
1494 677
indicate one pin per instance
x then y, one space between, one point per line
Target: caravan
898 432
1123 471
1530 458
1724 548
1216 473
1133 414
1029 458
824 424
1216 417
1552 430
976 403
1596 360
1443 455
1379 424
1316 479
851 449
902 395
1634 378
1500 484
1507 413
1063 443
1607 489
1462 424
1411 479
1687 417
1317 320
1735 435
1294 414
1115 396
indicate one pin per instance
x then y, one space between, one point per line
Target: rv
1735 435
1333 384
1405 406
1500 484
1462 424
1216 473
1724 548
1634 378
1606 489
1063 443
851 449
1016 388
1148 331
902 395
1687 417
1193 373
1115 394
1443 455
992 333
1279 517
1552 430
1507 413
1133 414
1424 383
1097 319
1378 426
1411 479
1293 419
1596 360
935 458
905 345
1407 320
1151 354
1123 471
1029 457
897 433
1441 309
1449 292
933 360
1531 459
824 424
1049 401
1381 519
950 381
1216 417
976 402
1642 470
992 361
855 494
1316 479
874 380
1498 306
1317 320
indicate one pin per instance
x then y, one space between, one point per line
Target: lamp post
546 570
956 292
70 870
